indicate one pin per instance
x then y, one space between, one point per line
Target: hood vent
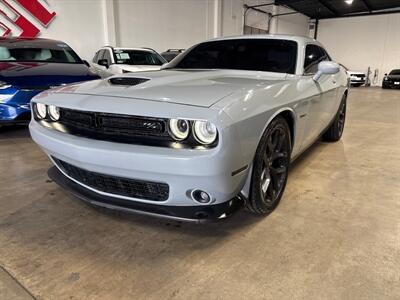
127 81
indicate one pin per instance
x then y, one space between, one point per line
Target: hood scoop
131 81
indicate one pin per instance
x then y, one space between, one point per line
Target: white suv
109 61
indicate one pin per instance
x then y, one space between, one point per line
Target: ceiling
325 9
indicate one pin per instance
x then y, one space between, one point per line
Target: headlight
54 113
41 110
205 132
179 129
4 85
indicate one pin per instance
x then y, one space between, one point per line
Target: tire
335 131
270 168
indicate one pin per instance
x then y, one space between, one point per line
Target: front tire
335 131
270 168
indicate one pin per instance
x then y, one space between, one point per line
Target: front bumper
211 170
196 214
357 81
391 84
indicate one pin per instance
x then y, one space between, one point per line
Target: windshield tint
243 54
138 57
27 51
395 72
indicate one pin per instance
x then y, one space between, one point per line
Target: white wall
363 41
87 25
79 23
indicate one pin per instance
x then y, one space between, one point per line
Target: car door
322 94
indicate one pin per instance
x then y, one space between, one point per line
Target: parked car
357 79
30 66
170 54
218 127
391 80
109 61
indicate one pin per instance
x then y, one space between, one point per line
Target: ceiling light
349 2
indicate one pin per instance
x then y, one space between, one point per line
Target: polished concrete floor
335 235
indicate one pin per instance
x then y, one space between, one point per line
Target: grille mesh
133 188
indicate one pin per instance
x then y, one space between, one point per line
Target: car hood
196 87
27 74
393 76
138 68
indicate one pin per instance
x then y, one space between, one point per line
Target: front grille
358 75
115 127
132 188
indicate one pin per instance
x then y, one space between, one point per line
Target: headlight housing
179 129
54 112
41 110
205 132
200 132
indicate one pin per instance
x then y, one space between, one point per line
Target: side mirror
326 67
103 62
385 74
85 62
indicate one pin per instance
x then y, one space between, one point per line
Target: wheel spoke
277 171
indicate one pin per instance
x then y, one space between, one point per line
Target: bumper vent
131 81
132 188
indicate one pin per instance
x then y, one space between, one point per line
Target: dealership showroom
199 149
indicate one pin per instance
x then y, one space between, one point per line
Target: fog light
201 196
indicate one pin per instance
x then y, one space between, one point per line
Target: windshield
395 72
31 51
271 55
138 57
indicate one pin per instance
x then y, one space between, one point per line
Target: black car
392 80
170 54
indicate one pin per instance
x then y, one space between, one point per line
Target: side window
107 55
95 58
100 55
313 57
327 57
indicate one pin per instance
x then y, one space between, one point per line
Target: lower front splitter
196 214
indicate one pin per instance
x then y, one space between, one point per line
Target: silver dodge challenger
214 130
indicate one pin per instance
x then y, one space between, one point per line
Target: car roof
12 40
129 48
296 38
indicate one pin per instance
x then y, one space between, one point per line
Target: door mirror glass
103 62
326 68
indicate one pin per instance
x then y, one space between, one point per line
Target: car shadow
14 132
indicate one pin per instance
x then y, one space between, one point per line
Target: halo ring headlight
54 113
205 132
179 129
41 110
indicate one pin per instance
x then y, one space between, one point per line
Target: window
107 55
270 55
137 57
32 51
95 58
395 72
314 55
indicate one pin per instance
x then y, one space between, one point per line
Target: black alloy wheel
270 168
335 131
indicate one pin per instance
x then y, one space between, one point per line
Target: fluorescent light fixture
349 2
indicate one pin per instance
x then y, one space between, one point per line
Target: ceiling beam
367 5
329 7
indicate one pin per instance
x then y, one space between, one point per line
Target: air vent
127 80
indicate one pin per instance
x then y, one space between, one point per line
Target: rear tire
270 168
335 131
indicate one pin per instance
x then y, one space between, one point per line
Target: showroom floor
335 235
